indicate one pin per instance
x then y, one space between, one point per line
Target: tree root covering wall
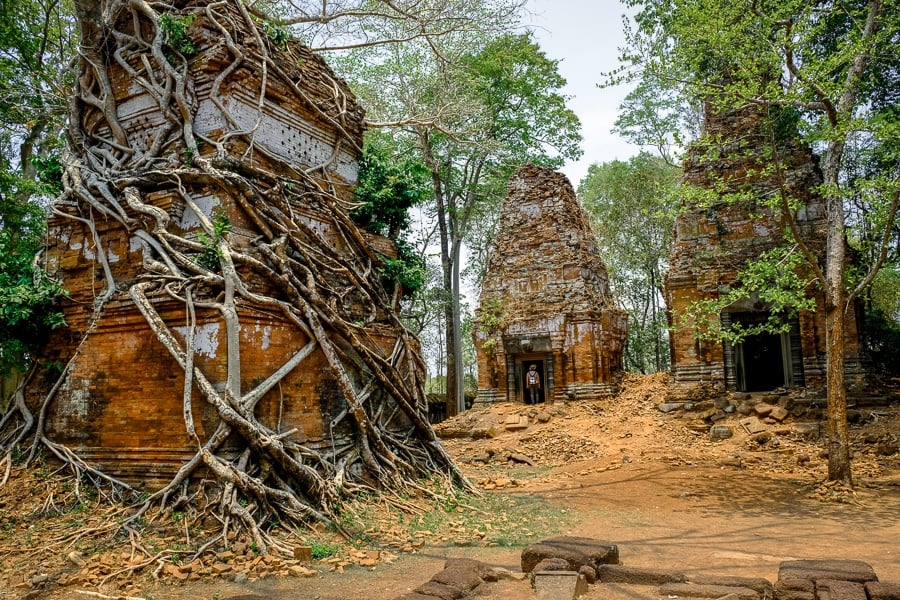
546 298
226 318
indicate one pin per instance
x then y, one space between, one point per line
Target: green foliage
48 170
491 317
436 385
881 327
276 33
187 156
632 207
491 320
322 550
777 282
36 47
407 270
390 183
175 33
18 455
210 255
27 315
881 342
884 296
655 115
525 116
27 296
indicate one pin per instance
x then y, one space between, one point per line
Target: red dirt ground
620 471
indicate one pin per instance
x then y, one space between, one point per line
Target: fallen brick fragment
692 590
638 576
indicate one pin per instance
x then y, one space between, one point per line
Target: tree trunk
459 397
452 367
835 313
449 267
838 432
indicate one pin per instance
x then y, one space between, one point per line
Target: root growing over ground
331 293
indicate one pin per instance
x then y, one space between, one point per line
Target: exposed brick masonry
547 282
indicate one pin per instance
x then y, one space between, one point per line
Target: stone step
694 590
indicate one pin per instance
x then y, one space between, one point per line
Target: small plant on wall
491 321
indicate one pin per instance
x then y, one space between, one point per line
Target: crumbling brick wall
120 405
713 242
546 298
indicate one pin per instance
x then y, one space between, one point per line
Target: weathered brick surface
830 589
121 405
638 575
713 242
546 275
460 578
883 590
759 584
440 590
788 588
833 569
577 551
693 590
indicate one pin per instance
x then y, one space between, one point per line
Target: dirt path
699 520
622 472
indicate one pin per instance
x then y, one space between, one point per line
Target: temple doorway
523 381
760 362
763 361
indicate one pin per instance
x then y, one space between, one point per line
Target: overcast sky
585 36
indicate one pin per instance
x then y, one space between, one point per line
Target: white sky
585 36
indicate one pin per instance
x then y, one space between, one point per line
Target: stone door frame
519 365
791 354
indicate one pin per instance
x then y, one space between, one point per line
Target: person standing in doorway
533 385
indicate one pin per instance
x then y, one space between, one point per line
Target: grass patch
456 519
493 519
323 549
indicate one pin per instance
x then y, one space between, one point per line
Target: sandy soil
624 472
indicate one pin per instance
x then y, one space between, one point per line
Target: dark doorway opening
540 394
761 362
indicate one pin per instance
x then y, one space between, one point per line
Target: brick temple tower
546 299
120 404
714 241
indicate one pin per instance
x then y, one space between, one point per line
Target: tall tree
826 62
474 107
632 207
35 50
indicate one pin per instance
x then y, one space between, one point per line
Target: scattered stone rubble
780 431
764 417
239 564
461 578
561 569
534 445
756 413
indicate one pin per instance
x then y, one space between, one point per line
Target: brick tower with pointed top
546 299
